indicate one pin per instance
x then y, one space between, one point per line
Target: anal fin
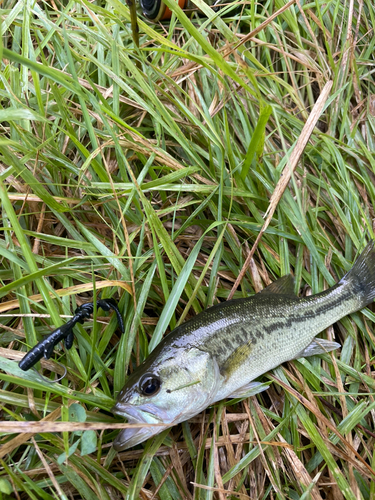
318 346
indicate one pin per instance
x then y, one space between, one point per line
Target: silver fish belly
220 352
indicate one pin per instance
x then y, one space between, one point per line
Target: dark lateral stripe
248 336
318 311
331 304
251 336
279 325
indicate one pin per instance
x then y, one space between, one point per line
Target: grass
145 174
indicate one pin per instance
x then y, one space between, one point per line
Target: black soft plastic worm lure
65 332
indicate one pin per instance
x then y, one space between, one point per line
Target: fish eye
149 384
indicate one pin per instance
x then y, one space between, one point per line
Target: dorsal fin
284 286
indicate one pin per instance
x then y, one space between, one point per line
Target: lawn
195 162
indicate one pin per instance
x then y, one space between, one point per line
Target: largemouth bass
218 353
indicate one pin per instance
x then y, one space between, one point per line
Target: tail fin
361 277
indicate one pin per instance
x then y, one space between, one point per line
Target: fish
220 352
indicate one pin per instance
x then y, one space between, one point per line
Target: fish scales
220 352
279 324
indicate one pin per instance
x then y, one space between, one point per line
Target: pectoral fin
250 389
318 346
236 359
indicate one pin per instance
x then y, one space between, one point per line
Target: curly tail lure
65 332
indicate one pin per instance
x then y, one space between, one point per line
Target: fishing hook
47 380
65 332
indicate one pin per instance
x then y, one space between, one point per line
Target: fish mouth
127 438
